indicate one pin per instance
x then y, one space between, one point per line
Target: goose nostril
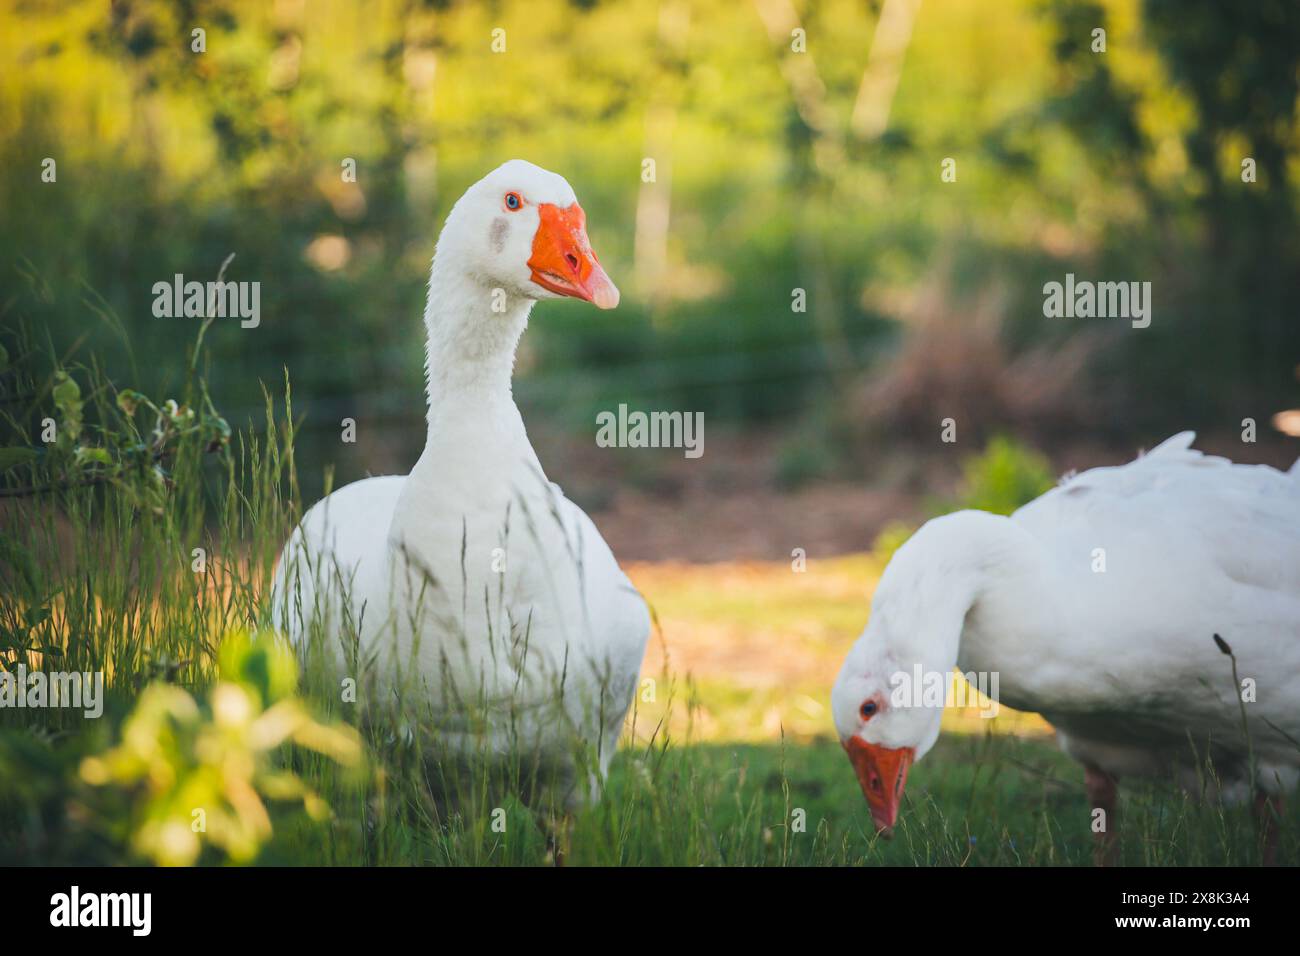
572 260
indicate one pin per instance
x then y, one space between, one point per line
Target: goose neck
472 333
982 574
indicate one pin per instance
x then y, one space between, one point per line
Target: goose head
882 736
918 612
520 229
882 702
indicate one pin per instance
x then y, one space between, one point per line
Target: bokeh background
797 145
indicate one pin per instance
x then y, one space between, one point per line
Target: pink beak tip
605 295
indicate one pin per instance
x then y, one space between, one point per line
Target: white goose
473 576
1123 662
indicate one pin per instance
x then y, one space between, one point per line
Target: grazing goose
1098 605
473 583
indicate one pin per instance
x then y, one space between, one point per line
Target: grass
727 759
992 801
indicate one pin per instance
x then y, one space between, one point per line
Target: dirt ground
727 506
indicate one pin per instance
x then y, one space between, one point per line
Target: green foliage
13 457
804 460
1171 134
131 443
889 539
1004 476
195 776
1001 478
169 161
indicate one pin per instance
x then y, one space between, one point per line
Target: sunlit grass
728 758
756 646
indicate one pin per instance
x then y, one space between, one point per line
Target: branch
24 491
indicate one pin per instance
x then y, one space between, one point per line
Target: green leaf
36 615
14 456
97 456
66 390
128 400
12 642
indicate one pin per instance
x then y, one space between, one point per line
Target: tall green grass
101 576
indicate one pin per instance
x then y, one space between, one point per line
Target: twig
27 490
1241 704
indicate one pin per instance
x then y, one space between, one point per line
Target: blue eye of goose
513 201
868 709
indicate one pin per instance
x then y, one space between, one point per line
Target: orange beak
563 260
883 774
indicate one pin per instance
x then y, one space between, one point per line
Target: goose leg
1103 795
1268 814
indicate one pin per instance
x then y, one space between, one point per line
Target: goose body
1193 546
472 587
1097 605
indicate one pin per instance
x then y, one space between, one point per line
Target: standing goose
1097 605
472 583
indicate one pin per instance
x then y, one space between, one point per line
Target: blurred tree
1222 253
778 169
